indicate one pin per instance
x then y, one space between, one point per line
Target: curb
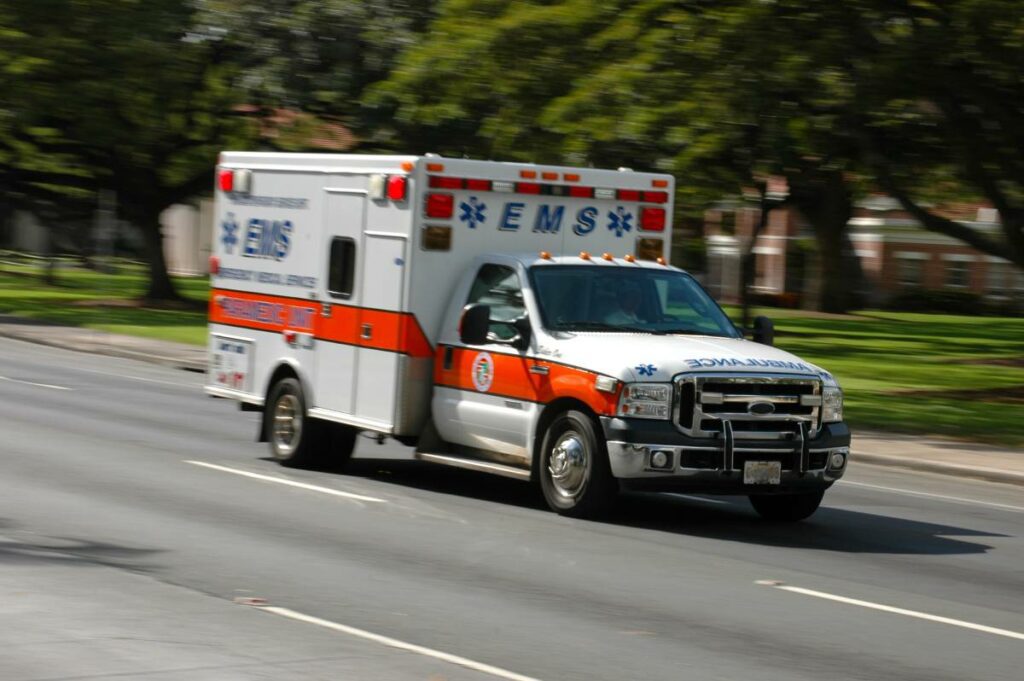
940 467
109 351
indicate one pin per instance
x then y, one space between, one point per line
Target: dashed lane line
896 611
400 645
929 495
289 483
32 383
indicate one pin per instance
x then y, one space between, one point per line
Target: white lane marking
38 385
929 495
401 645
695 498
290 483
136 378
899 611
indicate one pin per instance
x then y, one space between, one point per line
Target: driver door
487 402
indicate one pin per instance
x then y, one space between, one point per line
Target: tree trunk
748 259
825 200
160 287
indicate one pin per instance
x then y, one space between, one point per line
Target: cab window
498 286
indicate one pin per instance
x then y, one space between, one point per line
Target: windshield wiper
602 326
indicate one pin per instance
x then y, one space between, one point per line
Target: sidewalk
934 455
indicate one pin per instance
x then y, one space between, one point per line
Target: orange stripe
390 330
512 378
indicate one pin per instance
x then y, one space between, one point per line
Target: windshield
589 298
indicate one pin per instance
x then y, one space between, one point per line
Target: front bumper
715 465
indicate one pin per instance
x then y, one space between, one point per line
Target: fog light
838 460
660 459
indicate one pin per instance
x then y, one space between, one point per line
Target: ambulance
514 319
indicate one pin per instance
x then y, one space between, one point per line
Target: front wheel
786 507
574 473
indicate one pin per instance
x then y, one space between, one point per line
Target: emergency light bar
538 188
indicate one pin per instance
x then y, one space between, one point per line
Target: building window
996 279
910 273
958 273
728 222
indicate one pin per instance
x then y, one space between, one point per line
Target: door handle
539 369
367 332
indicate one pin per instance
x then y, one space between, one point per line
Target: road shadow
31 550
722 518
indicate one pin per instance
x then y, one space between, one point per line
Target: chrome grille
757 406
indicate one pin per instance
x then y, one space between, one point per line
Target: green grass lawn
90 299
913 373
919 373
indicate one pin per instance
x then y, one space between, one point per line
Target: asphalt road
135 541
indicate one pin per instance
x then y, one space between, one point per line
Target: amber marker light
584 255
659 183
528 174
607 256
544 255
435 167
407 166
630 257
660 260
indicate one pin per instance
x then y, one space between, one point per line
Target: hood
645 357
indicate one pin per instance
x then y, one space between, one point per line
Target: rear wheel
298 441
574 472
786 507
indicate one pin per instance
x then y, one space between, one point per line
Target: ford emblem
761 408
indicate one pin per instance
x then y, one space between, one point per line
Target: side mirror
476 319
764 331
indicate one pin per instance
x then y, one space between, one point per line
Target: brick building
896 254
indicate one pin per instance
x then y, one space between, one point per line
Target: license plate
762 472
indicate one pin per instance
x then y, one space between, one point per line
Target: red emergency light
527 187
397 185
440 205
652 219
226 180
629 195
656 197
437 182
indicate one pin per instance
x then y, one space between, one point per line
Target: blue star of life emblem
646 369
230 236
472 212
620 221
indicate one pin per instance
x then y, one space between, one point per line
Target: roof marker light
528 174
661 260
407 166
659 183
549 176
630 257
544 255
584 255
608 256
571 177
435 167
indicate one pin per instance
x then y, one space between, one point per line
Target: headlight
831 404
646 400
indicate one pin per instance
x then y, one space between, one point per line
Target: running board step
475 465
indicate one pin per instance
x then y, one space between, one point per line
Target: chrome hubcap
568 465
287 425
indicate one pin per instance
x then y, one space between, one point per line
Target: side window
499 287
342 267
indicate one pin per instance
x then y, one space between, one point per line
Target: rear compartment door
380 326
340 291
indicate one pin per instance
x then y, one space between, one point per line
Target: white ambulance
508 318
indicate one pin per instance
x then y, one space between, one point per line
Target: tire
295 439
787 508
573 469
